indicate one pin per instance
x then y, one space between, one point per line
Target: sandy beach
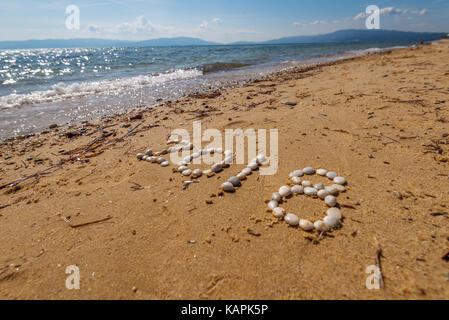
380 120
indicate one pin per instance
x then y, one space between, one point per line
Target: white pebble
182 163
207 172
305 225
187 172
160 160
151 159
310 191
217 167
331 175
149 152
235 181
253 166
228 187
340 180
228 160
321 172
144 158
285 191
296 180
219 150
308 170
196 155
261 158
319 186
292 219
334 212
297 189
276 196
197 173
331 222
247 171
182 168
272 204
296 173
241 176
339 187
165 164
278 212
320 226
306 183
322 194
331 201
228 153
139 156
332 190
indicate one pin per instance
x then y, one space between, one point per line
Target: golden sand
381 121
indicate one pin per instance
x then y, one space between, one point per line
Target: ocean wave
62 91
222 66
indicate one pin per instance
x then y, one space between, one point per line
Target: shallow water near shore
40 87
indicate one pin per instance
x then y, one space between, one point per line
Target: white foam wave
62 91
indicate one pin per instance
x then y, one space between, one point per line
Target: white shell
339 187
321 172
207 172
160 160
305 225
334 212
235 181
319 186
306 183
247 171
331 222
272 204
285 191
187 172
308 170
340 180
278 212
228 160
217 167
296 180
322 194
165 164
182 168
276 196
139 156
297 173
144 158
261 158
297 189
291 219
197 173
310 191
320 226
241 176
149 152
331 201
331 175
227 186
150 159
196 155
253 166
332 190
182 163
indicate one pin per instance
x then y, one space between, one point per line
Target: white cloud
94 28
319 22
206 24
297 23
392 11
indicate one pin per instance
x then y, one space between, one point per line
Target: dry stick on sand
83 224
96 143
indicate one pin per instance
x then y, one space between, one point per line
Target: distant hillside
362 35
84 43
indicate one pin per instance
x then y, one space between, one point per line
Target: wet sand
381 121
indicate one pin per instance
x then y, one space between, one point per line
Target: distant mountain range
361 35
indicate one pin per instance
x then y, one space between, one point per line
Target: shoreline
334 59
380 120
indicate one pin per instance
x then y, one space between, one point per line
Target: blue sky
214 20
